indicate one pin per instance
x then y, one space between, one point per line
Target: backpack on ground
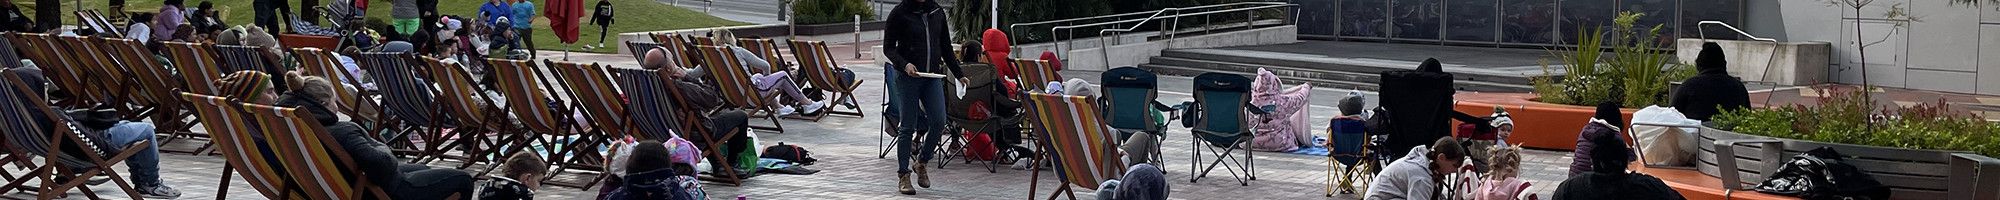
789 153
1820 174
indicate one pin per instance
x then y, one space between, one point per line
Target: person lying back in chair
401 180
702 97
143 166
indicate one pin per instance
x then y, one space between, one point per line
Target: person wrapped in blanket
1287 127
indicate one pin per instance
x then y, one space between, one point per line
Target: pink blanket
1287 125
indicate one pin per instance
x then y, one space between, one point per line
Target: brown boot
903 185
923 179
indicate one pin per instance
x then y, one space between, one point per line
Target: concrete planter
1536 125
1910 173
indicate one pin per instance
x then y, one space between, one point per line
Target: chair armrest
1979 171
1259 110
1163 107
1728 172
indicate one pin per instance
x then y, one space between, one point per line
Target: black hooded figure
918 43
1420 102
1610 180
1713 90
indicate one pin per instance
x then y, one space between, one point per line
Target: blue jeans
145 165
922 102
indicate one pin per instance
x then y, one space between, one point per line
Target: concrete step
1350 65
1366 80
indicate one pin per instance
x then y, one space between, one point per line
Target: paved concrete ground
846 147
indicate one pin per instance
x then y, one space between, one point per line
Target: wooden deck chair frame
691 121
97 20
1035 75
235 135
12 121
599 99
63 135
406 104
678 45
817 66
316 163
1062 121
353 102
476 115
197 67
9 51
733 82
102 71
766 49
526 98
156 86
64 70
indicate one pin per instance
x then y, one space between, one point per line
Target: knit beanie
244 84
1353 103
1500 117
1711 59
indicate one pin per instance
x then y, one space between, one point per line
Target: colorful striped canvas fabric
649 110
639 49
62 67
677 46
8 52
765 49
96 63
458 93
731 79
1036 74
240 58
519 81
599 97
403 94
234 137
156 84
197 65
1085 154
20 103
97 21
314 161
817 65
316 62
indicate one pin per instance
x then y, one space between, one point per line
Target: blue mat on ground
1314 149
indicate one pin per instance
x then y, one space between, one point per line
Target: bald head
657 59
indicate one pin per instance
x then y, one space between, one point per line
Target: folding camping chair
691 121
476 116
243 148
1350 161
980 95
318 165
601 104
733 81
885 142
1083 152
545 117
1130 98
18 105
1219 124
407 102
818 68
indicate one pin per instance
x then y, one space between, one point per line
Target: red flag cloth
563 16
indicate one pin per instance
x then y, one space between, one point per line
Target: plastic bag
1665 145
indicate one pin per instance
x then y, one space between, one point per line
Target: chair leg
222 190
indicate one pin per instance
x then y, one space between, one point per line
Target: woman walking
918 42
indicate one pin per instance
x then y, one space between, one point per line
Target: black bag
94 119
1820 174
1379 123
789 153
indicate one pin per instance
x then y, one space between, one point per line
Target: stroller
977 114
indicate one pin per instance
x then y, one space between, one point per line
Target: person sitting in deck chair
144 167
314 95
770 82
702 97
1416 176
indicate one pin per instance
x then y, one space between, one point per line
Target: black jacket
1713 90
602 16
1595 185
917 34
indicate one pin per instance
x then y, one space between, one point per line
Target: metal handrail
1768 63
1014 41
1105 47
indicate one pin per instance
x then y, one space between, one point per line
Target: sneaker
159 192
815 106
786 110
94 180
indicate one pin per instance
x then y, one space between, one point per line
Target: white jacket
1407 178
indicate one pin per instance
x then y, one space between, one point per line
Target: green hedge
1845 117
831 11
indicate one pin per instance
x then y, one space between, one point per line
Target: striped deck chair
238 142
407 99
1084 152
14 120
766 49
604 108
96 21
241 58
523 86
155 85
639 49
100 70
677 45
1035 74
475 113
701 41
8 53
733 81
198 66
63 69
315 162
694 121
648 111
322 63
18 103
817 66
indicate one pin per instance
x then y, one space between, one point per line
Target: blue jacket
524 15
492 12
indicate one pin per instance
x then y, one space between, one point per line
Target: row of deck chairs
1078 131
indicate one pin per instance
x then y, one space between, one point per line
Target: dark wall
1500 22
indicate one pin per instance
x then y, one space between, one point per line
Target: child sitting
1501 183
519 181
653 172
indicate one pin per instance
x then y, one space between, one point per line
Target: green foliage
1848 117
831 11
1637 72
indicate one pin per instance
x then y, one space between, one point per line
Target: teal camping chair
1130 103
1217 118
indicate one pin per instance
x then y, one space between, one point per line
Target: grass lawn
633 16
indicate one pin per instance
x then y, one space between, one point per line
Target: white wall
1948 48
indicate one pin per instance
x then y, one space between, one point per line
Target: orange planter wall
1536 125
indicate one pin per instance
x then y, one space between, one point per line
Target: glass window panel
1363 18
1471 20
1658 13
1587 14
1527 21
1318 17
1710 10
1416 19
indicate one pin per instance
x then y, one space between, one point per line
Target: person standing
168 20
139 30
918 42
405 14
524 22
493 10
12 20
603 21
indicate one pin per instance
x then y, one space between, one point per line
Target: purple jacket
1596 128
167 22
